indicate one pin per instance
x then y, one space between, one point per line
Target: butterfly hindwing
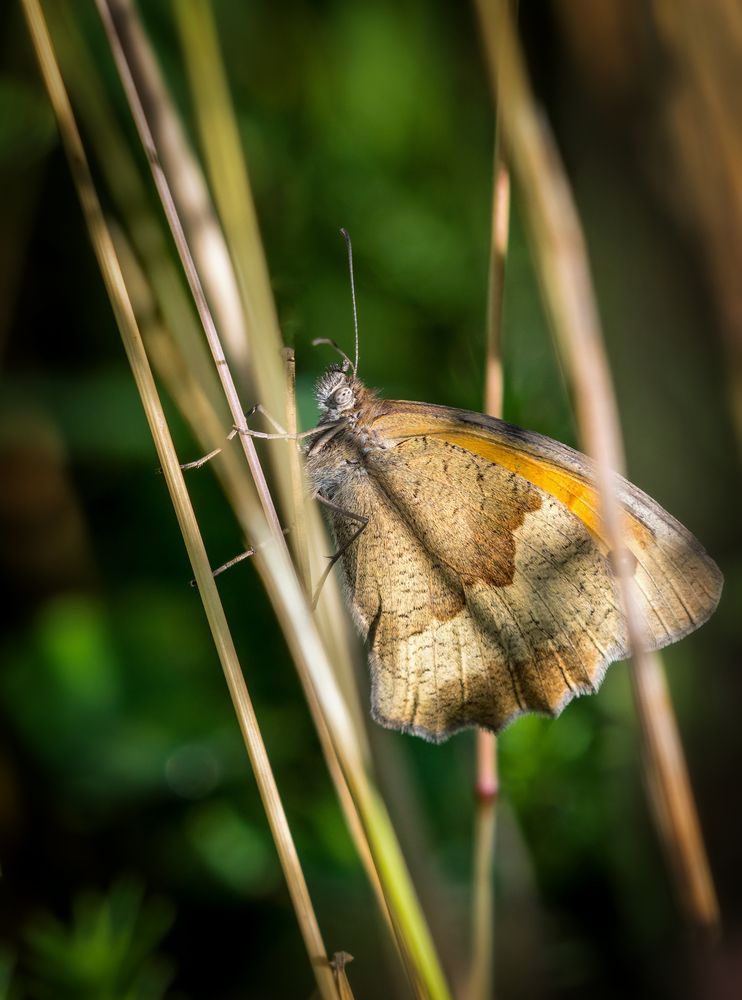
481 595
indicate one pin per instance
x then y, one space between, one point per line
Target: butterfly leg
237 559
258 408
285 436
351 515
199 462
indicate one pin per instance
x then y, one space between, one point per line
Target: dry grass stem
230 182
280 579
298 541
126 50
225 165
206 426
481 985
481 980
561 261
189 192
113 277
130 196
496 287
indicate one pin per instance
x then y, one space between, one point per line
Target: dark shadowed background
128 814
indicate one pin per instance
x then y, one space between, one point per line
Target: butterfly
476 565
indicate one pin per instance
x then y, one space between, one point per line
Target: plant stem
561 260
113 277
272 560
487 784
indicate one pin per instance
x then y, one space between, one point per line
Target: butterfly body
481 577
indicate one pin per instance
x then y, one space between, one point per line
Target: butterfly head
336 393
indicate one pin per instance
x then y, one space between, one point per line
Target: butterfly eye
343 397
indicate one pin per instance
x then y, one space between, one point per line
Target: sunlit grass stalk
207 428
230 184
499 236
561 261
190 194
285 592
347 802
299 543
235 204
487 787
231 473
111 271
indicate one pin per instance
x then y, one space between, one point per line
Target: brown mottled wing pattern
483 597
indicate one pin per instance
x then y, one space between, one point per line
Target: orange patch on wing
577 494
564 485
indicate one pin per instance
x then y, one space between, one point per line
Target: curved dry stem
278 575
110 268
561 261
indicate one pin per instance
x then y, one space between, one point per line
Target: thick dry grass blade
230 182
282 585
109 265
190 195
206 427
234 201
222 153
561 261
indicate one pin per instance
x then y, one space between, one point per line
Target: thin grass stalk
562 264
347 803
174 372
230 182
481 979
190 194
229 178
193 378
111 271
299 543
285 592
499 237
162 183
206 428
230 185
487 788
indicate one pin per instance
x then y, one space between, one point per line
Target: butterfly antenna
349 246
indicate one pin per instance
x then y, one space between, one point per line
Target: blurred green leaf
106 952
233 850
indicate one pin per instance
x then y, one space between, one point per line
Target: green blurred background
136 860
